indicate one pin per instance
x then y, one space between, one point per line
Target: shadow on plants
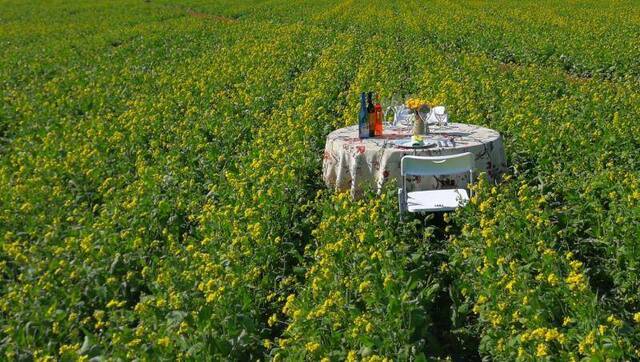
444 330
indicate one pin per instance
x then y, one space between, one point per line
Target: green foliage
160 191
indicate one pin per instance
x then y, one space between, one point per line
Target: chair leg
401 203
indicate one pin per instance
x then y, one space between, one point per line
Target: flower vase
420 125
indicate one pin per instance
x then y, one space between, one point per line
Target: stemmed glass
395 106
406 117
388 107
441 116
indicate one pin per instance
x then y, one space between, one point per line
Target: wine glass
389 107
404 115
396 106
425 113
441 116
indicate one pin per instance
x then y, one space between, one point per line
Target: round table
355 164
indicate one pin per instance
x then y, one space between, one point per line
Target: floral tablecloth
352 163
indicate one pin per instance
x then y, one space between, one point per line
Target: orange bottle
371 110
379 117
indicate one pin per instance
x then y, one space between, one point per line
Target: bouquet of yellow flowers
419 106
415 104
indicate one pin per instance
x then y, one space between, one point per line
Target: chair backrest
436 165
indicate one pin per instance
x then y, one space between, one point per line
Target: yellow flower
538 333
576 281
552 279
416 103
590 338
267 343
68 348
541 350
387 281
575 264
290 300
272 320
485 205
164 342
636 317
352 356
567 321
115 304
312 346
515 315
496 320
364 286
297 314
602 329
614 321
521 352
369 328
551 335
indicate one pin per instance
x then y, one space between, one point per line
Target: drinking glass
425 113
389 105
441 116
404 116
396 107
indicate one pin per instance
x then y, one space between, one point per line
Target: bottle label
363 126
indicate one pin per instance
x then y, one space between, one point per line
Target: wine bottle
363 118
379 116
371 112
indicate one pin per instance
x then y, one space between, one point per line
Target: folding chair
434 200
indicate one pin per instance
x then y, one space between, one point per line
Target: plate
407 143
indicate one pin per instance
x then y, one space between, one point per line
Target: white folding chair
434 200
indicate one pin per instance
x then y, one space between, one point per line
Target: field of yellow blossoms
161 198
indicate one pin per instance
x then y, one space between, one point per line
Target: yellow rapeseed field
161 197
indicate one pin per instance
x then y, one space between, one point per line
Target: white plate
409 144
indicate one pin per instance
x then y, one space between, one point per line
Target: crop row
589 40
161 175
113 193
564 237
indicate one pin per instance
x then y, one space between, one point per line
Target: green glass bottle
363 118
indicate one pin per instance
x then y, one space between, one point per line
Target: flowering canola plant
161 199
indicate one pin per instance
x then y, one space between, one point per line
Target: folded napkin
446 143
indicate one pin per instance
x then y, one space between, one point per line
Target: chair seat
436 200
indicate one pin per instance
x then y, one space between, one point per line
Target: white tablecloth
352 163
